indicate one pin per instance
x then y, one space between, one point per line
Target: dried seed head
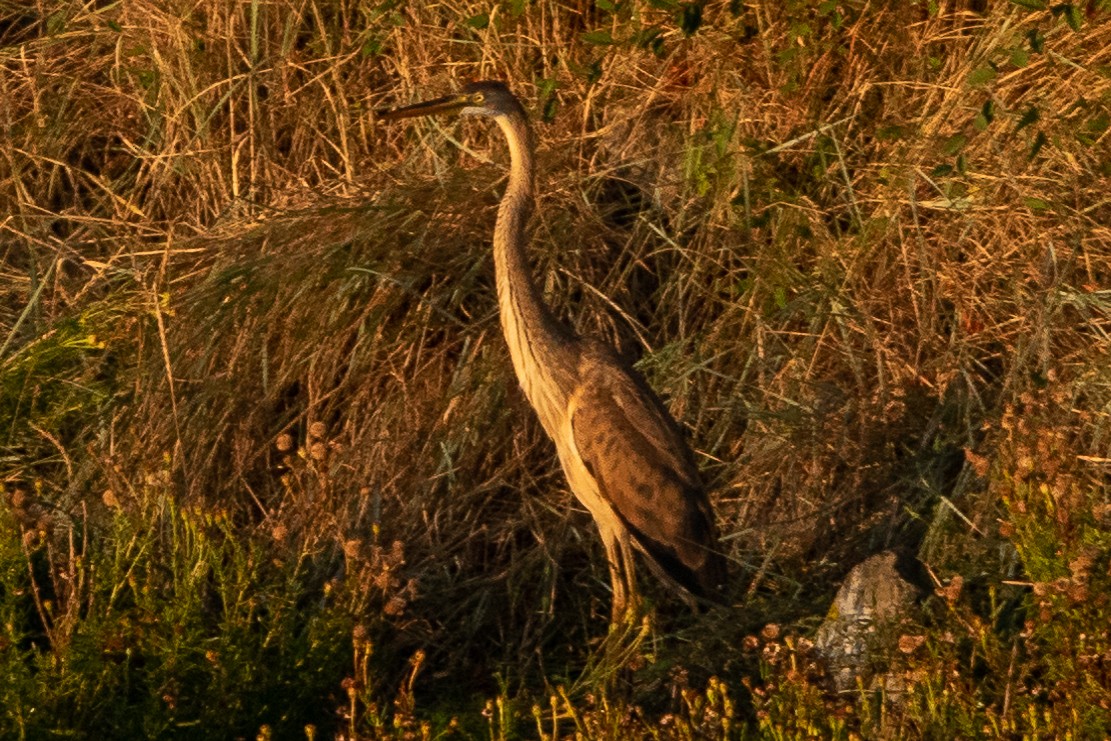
979 463
19 499
908 644
317 430
952 591
284 443
1081 566
1077 592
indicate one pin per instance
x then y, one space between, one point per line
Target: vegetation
266 471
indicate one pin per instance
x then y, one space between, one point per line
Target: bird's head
484 98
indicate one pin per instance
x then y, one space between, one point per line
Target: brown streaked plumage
623 454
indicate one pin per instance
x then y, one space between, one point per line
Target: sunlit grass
265 468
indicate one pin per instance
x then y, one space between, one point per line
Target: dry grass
863 252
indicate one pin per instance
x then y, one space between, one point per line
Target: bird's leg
616 559
629 579
617 579
619 557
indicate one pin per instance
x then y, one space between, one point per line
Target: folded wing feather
644 468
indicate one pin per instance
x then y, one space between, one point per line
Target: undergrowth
266 471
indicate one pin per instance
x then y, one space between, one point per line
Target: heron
623 454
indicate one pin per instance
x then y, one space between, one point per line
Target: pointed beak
447 104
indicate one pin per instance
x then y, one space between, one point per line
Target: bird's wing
635 451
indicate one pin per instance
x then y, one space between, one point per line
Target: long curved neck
542 349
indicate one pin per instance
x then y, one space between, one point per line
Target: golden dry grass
863 251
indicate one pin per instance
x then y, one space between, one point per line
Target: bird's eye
478 98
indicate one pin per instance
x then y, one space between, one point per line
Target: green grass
266 472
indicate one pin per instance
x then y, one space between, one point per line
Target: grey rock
873 597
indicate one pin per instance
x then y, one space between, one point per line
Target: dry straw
844 254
